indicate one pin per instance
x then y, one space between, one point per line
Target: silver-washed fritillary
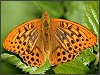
58 40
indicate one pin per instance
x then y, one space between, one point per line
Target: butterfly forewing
76 34
71 38
25 41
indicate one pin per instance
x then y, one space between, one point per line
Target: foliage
12 59
86 62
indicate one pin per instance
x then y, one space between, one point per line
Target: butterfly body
56 39
46 31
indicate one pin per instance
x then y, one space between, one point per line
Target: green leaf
12 59
42 69
4 69
91 16
72 67
74 11
86 56
92 20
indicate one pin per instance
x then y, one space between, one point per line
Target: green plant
87 60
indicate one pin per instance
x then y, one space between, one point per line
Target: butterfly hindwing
59 55
35 54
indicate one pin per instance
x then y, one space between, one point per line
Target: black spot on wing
70 48
68 44
62 24
37 60
79 35
64 58
20 42
77 29
58 54
63 53
32 59
37 54
26 29
58 59
18 37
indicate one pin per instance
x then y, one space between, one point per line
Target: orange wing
25 40
70 38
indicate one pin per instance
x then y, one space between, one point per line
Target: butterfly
58 40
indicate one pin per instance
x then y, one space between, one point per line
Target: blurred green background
14 13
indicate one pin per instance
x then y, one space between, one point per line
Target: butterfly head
45 19
45 14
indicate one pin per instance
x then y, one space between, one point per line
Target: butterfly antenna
40 6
